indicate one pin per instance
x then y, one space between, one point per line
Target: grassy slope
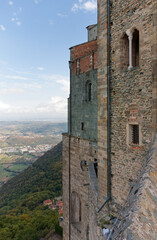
22 215
42 179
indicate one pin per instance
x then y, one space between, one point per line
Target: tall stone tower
112 113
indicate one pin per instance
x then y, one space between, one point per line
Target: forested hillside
22 215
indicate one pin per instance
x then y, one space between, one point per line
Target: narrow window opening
135 134
82 126
89 91
80 212
96 167
125 52
135 48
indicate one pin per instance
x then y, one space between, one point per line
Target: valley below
22 143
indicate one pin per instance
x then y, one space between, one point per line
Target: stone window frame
129 45
129 135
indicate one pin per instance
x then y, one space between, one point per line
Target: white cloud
4 106
10 3
65 84
40 68
18 23
51 22
37 1
3 62
62 15
17 77
64 81
2 27
89 5
32 85
57 106
6 91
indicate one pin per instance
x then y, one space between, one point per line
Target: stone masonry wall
154 75
80 149
102 101
139 218
83 111
83 67
131 93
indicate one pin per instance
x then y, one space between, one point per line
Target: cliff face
139 215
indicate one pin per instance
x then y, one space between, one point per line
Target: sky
35 37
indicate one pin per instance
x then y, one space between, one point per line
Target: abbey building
112 114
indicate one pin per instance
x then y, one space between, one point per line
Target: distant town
22 143
27 149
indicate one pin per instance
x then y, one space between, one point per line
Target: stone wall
131 93
102 101
82 110
154 75
139 217
78 178
83 67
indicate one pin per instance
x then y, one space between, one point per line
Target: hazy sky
35 37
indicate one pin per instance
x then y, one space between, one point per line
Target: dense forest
22 215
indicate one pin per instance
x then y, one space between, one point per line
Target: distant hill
22 196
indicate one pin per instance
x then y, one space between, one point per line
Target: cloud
17 77
2 27
4 106
62 15
10 3
65 84
32 85
90 5
15 18
3 62
51 22
7 91
18 23
56 107
62 80
36 1
40 68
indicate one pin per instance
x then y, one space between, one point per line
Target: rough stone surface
139 216
80 149
133 94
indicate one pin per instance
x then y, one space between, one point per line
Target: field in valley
22 143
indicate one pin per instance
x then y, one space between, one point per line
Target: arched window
130 49
125 51
135 48
75 208
88 91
